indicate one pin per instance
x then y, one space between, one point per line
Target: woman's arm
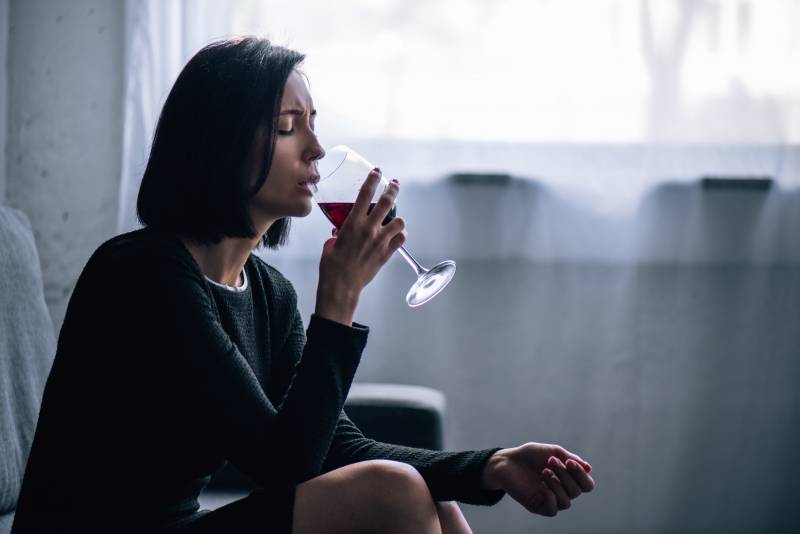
180 352
449 475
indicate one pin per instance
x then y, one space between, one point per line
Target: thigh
345 500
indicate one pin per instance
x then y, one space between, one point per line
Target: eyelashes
289 132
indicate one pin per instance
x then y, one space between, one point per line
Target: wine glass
342 172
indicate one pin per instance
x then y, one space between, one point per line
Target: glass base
429 284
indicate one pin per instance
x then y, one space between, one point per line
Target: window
581 94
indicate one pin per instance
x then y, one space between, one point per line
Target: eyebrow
298 112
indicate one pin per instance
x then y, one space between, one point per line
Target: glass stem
412 262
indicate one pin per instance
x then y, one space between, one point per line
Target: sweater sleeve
182 352
449 475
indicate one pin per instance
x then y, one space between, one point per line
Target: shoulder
143 261
145 250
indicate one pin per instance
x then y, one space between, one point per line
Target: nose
315 150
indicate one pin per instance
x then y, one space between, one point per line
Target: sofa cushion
398 413
27 347
5 522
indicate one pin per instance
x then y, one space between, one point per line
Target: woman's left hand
541 477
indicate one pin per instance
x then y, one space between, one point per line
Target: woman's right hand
352 258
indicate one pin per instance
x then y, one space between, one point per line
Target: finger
395 243
539 502
385 203
328 245
394 227
562 499
535 502
364 198
581 462
580 476
549 506
564 455
565 476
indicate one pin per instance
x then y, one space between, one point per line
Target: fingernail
394 181
376 170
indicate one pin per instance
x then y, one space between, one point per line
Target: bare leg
377 496
452 518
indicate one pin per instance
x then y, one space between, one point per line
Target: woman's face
285 192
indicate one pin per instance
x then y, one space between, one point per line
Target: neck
222 262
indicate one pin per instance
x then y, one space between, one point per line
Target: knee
379 496
388 479
398 492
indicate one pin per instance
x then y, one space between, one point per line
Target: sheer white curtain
601 98
160 36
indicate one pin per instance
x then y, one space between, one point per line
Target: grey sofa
27 346
406 415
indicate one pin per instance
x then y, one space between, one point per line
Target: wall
64 130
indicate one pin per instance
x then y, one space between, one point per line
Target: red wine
337 212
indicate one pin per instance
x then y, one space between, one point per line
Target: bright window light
546 70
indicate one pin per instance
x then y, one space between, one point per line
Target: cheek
280 189
280 169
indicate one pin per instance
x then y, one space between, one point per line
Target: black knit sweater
159 377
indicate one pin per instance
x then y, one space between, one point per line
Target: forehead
296 93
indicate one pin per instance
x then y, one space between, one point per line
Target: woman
181 349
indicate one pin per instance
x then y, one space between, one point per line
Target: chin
303 212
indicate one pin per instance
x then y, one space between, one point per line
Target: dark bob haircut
196 184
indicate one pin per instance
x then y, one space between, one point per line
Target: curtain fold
160 37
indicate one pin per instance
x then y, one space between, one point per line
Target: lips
310 183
